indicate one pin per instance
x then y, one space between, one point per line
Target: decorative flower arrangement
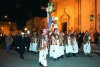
50 7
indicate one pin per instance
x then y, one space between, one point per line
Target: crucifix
49 10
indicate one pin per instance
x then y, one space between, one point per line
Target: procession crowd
56 44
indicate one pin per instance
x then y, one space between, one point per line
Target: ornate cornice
57 1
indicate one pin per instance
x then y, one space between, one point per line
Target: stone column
92 23
76 15
99 21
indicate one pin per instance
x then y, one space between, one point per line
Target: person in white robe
35 39
54 47
61 47
75 44
69 44
31 45
86 44
42 48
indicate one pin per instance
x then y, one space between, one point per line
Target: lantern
91 17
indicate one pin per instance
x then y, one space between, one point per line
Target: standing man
8 41
35 39
96 35
42 47
16 37
22 43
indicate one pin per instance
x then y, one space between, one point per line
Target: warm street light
2 28
9 22
25 29
56 18
5 16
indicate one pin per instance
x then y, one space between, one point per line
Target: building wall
44 22
98 12
29 24
35 24
79 12
66 6
85 15
5 26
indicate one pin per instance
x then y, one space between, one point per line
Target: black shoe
7 52
31 51
62 56
67 55
22 57
40 64
74 55
58 58
54 59
35 52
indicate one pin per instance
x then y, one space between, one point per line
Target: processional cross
49 10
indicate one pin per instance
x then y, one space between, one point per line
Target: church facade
77 15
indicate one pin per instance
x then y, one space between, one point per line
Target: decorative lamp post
91 17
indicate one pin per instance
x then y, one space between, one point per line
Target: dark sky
21 10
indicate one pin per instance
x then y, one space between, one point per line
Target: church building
77 15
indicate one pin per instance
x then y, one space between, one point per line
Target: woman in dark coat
22 44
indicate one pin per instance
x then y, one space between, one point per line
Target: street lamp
25 30
56 18
91 17
2 28
2 31
9 22
5 16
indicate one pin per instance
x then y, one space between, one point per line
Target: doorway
64 26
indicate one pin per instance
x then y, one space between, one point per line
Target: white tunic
33 46
69 48
56 51
87 46
75 45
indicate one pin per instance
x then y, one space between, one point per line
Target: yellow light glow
56 18
2 28
9 22
25 29
5 16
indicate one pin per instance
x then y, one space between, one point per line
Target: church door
64 26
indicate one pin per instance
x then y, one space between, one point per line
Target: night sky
21 10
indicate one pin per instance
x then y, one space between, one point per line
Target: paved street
31 60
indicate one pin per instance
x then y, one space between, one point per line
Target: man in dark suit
22 44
